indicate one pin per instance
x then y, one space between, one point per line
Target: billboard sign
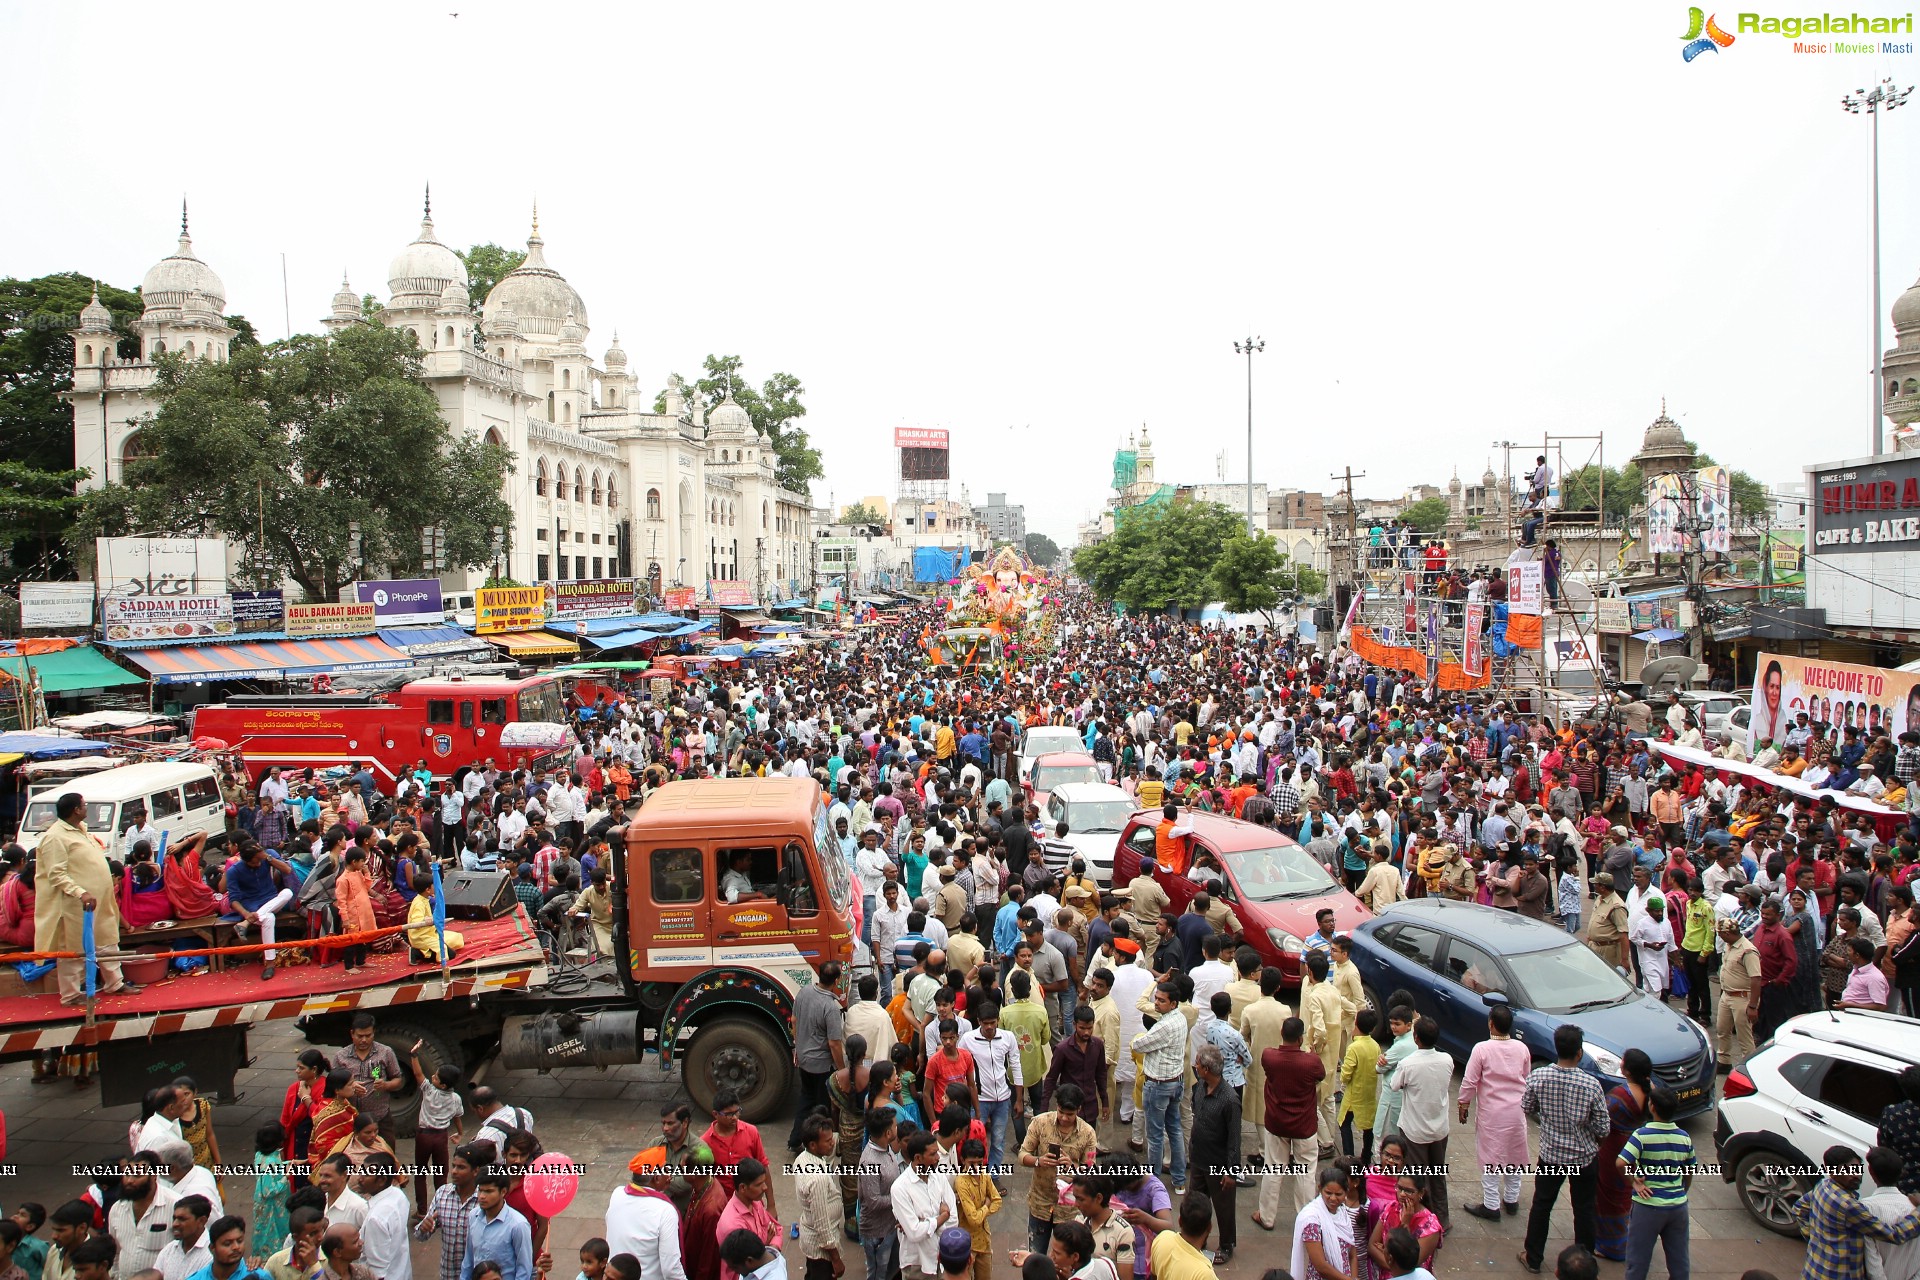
1474 654
919 438
259 610
56 604
166 617
1611 616
1840 694
305 621
1526 587
676 599
160 567
414 601
729 591
592 597
1871 507
500 609
1787 557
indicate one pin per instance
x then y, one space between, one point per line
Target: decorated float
996 614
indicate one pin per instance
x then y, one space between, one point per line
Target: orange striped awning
534 644
267 659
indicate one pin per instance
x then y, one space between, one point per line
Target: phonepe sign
407 600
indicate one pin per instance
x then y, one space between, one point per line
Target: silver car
1095 813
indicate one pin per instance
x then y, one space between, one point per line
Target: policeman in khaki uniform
1607 930
1739 996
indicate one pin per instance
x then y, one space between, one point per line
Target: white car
1095 813
1822 1081
1046 740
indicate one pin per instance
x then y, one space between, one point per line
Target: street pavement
600 1118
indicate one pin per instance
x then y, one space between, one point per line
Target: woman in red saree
142 893
16 910
187 891
332 1119
304 1097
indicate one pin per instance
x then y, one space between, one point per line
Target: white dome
421 272
616 357
94 317
1906 311
538 294
455 297
181 283
728 417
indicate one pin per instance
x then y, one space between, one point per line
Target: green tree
36 507
1041 549
1581 490
775 408
244 335
1160 557
486 263
861 513
283 447
1427 515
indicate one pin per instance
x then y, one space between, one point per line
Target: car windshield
1059 775
1041 741
40 816
1285 871
1098 815
1568 978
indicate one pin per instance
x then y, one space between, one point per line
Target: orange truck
734 896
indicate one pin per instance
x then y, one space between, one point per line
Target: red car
1056 769
1273 885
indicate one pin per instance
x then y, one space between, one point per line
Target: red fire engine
452 724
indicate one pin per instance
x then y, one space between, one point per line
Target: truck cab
738 881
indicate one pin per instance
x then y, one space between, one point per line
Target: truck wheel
435 1052
742 1055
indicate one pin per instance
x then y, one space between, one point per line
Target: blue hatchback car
1457 958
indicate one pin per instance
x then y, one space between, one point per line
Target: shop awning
427 641
613 639
64 670
267 660
1659 635
533 644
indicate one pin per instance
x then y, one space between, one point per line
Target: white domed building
603 487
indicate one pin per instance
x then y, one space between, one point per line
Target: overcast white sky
1040 226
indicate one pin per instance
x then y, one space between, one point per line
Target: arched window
451 341
596 488
540 478
190 352
579 486
765 509
133 447
159 346
560 481
653 504
613 494
499 353
613 398
566 379
566 413
86 356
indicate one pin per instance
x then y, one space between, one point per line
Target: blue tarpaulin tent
936 564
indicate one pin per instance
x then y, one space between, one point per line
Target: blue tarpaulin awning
936 564
42 745
424 641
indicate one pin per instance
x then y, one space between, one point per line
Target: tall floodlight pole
1884 96
1247 349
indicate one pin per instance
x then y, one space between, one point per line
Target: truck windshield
541 702
839 882
40 816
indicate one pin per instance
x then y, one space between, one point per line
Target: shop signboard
166 617
305 621
593 597
501 609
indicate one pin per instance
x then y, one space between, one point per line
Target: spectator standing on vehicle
71 879
1572 1113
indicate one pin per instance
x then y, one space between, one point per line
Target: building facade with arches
602 486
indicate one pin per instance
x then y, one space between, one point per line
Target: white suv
1822 1081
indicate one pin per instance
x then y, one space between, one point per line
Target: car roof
1093 791
1044 731
129 781
1230 835
1502 932
1062 757
1886 1035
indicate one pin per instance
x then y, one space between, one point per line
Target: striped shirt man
1660 1154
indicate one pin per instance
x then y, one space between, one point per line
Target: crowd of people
1010 1019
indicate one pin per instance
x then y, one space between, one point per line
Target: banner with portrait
1841 694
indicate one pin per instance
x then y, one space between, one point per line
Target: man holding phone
1056 1144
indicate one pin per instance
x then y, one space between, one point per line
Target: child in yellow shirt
1361 1084
978 1200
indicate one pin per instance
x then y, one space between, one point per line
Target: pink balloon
551 1184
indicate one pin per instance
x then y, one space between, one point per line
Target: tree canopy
1186 555
861 513
1429 515
282 448
775 408
486 263
1625 490
1041 549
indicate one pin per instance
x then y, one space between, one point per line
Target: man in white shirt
513 825
273 789
187 1251
190 1179
342 1204
996 1065
1211 976
1424 1080
142 828
922 1204
163 1126
470 787
642 1221
385 1249
140 1221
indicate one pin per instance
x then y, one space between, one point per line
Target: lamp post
1883 96
1247 349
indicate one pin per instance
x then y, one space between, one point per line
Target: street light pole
1247 349
1884 96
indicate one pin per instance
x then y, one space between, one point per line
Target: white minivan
178 799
